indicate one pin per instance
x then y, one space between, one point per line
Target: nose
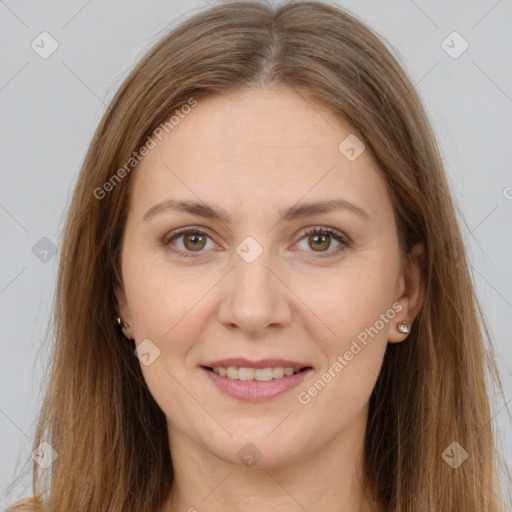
255 298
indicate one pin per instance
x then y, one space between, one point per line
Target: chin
256 448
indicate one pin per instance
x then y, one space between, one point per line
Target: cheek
159 295
166 309
353 299
357 308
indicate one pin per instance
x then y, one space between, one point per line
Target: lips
264 387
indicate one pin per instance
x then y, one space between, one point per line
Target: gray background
50 107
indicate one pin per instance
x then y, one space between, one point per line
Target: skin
255 153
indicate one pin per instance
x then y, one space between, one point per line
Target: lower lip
256 391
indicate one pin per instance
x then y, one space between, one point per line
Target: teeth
278 372
259 374
232 372
246 373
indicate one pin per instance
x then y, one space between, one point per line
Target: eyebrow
289 214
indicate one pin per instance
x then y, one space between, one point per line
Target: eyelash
339 237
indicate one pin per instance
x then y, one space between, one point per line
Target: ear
410 289
124 311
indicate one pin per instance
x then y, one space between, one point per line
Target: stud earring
403 327
123 324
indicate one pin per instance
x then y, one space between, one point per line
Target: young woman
262 300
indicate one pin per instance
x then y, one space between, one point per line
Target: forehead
268 146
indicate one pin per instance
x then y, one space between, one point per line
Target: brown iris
319 240
197 241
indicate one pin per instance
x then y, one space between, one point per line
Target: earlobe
123 318
411 294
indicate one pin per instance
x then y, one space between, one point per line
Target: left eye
321 238
194 240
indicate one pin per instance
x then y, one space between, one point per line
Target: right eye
194 240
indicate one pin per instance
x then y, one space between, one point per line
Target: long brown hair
433 390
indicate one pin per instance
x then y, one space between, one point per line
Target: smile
255 384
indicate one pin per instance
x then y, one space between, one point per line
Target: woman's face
252 284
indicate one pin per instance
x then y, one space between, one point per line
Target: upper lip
262 363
